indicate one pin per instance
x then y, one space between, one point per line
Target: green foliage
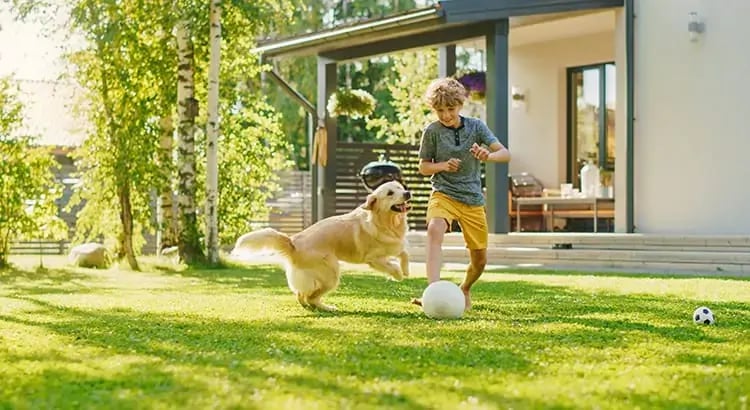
237 338
28 188
415 70
353 103
301 74
125 68
130 70
253 149
372 76
348 10
252 146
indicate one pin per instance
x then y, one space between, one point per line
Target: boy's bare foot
416 301
467 296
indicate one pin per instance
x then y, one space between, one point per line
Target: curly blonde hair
445 92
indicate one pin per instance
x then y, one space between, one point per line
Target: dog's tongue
401 207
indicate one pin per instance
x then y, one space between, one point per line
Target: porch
527 48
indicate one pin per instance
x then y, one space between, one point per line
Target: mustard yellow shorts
472 219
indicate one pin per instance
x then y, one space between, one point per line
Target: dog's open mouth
402 207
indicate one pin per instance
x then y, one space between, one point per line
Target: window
591 119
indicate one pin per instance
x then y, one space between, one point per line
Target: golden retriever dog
374 233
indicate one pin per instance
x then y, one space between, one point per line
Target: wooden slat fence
43 247
350 192
291 208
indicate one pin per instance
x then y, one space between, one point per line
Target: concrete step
726 243
632 260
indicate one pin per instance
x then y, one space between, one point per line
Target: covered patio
484 24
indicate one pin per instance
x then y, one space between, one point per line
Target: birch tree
212 134
167 227
187 110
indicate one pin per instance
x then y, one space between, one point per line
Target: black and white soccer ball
703 316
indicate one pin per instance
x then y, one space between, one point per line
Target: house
653 90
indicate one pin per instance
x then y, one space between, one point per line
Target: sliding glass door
591 119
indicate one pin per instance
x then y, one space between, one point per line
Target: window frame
605 163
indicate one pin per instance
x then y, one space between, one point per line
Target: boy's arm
496 153
499 153
427 167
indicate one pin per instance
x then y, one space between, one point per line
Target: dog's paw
404 265
325 308
396 277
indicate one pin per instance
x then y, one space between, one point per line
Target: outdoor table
551 201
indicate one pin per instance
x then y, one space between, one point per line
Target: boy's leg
434 259
435 234
478 260
475 231
440 212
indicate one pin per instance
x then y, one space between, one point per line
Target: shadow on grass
255 353
64 388
377 336
43 281
250 277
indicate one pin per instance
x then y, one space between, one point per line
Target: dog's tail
264 239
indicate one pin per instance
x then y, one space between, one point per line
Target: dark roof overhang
446 22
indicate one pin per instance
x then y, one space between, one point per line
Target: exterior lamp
695 26
518 97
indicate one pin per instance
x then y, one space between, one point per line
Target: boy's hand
452 165
479 153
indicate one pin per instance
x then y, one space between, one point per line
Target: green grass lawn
236 338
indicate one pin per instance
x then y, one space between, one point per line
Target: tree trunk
122 184
212 134
166 234
187 109
126 218
4 252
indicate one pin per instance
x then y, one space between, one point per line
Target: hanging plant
353 103
475 83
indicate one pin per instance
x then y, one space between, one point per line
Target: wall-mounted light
517 97
695 26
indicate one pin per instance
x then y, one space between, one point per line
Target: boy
450 152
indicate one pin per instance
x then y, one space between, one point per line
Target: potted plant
353 103
475 83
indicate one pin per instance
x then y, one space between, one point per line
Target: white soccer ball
443 300
703 316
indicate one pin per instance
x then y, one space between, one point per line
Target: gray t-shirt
440 143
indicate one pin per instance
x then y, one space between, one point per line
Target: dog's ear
370 202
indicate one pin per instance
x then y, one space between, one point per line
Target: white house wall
538 131
692 107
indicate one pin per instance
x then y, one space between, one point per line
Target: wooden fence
291 209
350 192
43 247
